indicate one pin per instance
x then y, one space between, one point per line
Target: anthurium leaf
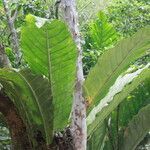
32 97
49 49
112 63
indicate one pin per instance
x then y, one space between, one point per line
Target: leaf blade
112 63
55 57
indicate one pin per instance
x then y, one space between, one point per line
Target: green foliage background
115 20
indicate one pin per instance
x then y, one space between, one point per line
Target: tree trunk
13 32
78 126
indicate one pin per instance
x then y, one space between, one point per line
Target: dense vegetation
40 78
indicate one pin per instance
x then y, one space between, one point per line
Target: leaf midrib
49 63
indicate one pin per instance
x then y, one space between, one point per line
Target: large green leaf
112 63
117 93
49 50
137 129
32 96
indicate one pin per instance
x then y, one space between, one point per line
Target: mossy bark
16 126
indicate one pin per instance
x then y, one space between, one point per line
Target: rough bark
78 126
17 128
4 61
13 32
62 140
